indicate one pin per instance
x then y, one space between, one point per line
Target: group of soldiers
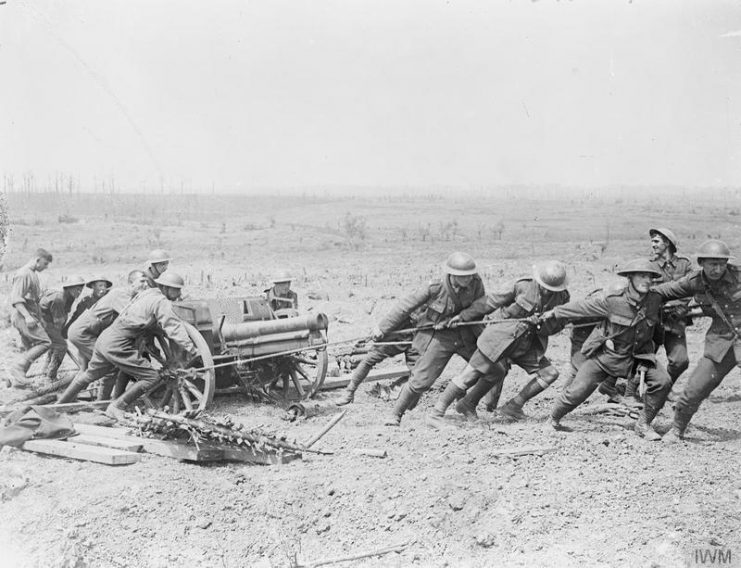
108 327
616 333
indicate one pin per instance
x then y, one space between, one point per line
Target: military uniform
84 331
289 300
54 306
613 348
436 346
149 275
722 344
672 333
502 344
26 289
81 307
116 347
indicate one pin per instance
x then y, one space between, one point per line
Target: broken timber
188 452
521 451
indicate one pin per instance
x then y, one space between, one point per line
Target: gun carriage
240 342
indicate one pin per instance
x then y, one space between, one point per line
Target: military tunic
116 347
516 342
289 300
54 306
625 335
26 289
84 331
435 303
722 343
672 334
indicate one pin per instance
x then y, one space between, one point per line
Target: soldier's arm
172 325
18 292
401 311
685 287
487 304
591 307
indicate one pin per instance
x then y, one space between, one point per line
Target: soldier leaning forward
25 316
501 344
386 330
624 340
99 287
157 263
716 287
440 301
117 347
84 331
672 334
55 306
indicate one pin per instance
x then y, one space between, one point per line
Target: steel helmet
282 276
460 264
170 279
158 255
638 266
713 249
74 281
668 234
551 275
98 278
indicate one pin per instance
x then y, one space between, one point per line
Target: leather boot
512 410
559 411
467 405
643 426
491 400
116 409
682 418
436 416
106 387
631 393
348 395
407 399
80 383
18 371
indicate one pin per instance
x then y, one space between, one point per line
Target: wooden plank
522 451
343 381
77 406
182 452
67 449
104 431
134 445
262 458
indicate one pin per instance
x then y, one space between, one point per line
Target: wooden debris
326 429
372 452
522 451
83 452
380 552
342 382
77 406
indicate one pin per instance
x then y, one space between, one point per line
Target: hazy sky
270 93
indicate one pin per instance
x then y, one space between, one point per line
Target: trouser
675 345
703 380
435 358
590 375
30 337
382 352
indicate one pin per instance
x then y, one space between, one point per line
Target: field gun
240 342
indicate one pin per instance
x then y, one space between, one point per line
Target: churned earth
603 497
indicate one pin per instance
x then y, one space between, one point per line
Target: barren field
603 498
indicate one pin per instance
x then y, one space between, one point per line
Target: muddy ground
603 498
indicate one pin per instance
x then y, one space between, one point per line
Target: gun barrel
249 329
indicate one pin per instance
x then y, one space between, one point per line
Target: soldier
157 263
377 353
672 266
437 302
500 345
716 287
55 306
281 298
84 331
99 286
623 341
25 315
116 347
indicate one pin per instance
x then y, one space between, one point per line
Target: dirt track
602 498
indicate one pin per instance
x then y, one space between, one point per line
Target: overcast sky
270 93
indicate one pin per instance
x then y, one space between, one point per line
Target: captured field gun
240 342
